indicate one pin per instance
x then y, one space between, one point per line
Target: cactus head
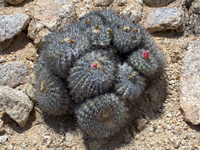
91 75
52 94
129 83
102 116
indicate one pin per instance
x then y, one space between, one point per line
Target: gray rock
157 3
196 7
13 74
16 104
12 25
102 2
50 15
14 2
3 139
121 2
133 11
189 88
164 19
3 3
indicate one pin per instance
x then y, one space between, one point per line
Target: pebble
196 7
141 123
16 104
164 19
10 26
3 139
190 84
121 2
13 73
102 2
3 3
14 2
157 3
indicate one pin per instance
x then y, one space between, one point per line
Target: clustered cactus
96 67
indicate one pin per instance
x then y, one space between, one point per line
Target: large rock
190 84
157 3
16 104
14 2
10 26
49 15
164 19
13 73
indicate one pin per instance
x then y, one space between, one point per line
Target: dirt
157 124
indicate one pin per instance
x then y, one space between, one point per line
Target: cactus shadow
14 126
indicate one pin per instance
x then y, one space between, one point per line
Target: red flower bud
146 54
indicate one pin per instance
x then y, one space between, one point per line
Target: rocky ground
167 115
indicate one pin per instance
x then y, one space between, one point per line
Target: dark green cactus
130 84
91 75
79 63
52 94
102 116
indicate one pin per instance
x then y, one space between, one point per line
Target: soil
157 124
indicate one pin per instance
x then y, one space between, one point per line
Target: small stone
13 73
190 84
134 12
157 3
152 93
196 7
164 19
16 104
2 128
102 2
69 139
141 123
14 2
121 2
3 3
3 139
12 25
48 140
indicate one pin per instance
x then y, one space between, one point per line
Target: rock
133 11
3 3
141 123
3 139
2 128
102 2
13 73
190 84
50 15
10 26
157 3
121 2
16 104
164 19
14 2
196 7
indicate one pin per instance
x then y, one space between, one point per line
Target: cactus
52 94
102 116
86 63
91 75
63 47
130 84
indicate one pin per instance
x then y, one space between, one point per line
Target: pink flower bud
146 54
